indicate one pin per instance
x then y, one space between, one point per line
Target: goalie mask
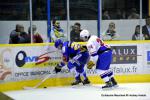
58 44
84 35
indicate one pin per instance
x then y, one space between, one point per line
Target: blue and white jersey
96 45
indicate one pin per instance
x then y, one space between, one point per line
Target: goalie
75 57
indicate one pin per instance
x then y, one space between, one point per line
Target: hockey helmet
84 35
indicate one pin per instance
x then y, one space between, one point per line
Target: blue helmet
58 42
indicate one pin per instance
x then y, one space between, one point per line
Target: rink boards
29 63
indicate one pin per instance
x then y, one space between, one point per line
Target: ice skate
76 82
114 83
107 86
86 81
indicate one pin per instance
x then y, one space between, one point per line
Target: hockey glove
83 48
90 64
75 45
57 68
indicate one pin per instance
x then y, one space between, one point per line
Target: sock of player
110 74
84 75
103 75
77 76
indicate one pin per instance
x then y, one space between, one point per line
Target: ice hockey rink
131 91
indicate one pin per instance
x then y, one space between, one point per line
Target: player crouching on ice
101 54
75 58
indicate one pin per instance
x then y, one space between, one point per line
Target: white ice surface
134 91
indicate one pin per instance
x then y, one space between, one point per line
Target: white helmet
84 35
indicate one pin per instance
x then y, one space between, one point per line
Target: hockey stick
42 81
38 84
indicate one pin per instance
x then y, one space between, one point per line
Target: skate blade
115 86
110 88
78 85
87 84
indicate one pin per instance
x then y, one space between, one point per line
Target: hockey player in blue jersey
75 58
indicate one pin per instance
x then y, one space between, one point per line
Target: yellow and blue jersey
69 51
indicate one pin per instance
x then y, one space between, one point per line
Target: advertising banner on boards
34 62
